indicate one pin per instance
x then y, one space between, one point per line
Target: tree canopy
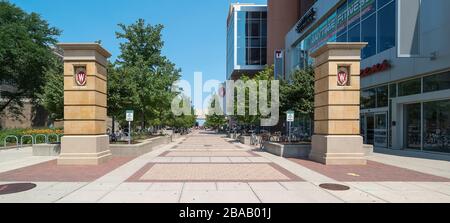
298 94
214 120
253 119
26 54
52 96
141 79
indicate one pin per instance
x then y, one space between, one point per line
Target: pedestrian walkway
209 168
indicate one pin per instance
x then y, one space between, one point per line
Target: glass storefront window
437 126
380 134
382 97
413 126
386 27
393 90
369 35
437 82
410 87
368 99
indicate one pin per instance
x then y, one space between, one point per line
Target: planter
368 149
139 149
246 140
46 149
176 136
288 151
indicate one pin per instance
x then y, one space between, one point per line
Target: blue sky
194 34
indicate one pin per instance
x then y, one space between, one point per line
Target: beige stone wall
85 107
337 108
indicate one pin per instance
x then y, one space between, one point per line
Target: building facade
246 40
405 71
281 16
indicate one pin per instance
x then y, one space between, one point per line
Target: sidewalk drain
16 188
335 187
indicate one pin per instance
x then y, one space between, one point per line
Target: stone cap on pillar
342 51
85 52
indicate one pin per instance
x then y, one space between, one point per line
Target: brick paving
213 172
208 153
51 172
372 172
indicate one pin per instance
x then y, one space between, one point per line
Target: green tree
122 93
150 73
248 119
214 120
52 96
25 55
185 120
298 94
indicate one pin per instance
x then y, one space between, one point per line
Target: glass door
413 126
370 129
381 130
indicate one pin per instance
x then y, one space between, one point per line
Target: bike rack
13 137
57 138
26 136
40 135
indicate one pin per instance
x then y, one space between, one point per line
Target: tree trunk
143 120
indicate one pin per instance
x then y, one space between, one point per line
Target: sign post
290 116
129 118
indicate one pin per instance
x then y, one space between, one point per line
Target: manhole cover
15 188
337 187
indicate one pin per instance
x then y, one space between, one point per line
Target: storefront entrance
375 129
427 126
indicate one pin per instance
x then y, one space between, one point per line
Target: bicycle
265 137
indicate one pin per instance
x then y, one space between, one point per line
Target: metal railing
34 139
40 135
57 138
26 136
11 137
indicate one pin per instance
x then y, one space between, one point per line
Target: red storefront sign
385 65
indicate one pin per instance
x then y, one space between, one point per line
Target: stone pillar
337 139
85 91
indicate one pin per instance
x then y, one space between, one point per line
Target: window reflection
437 126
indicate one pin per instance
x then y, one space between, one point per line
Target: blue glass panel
386 27
382 3
353 12
369 35
368 7
354 34
341 19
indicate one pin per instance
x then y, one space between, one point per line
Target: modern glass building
405 71
246 39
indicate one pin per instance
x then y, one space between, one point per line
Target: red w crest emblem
342 78
81 78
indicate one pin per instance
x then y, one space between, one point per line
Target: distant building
246 40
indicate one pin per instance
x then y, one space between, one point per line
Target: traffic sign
290 116
130 115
